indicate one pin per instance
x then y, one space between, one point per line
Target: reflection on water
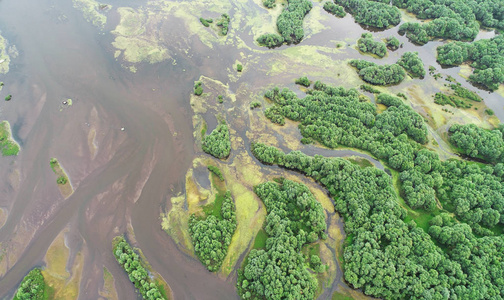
124 178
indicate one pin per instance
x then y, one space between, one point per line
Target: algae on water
94 12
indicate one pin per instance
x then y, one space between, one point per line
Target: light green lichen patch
93 11
4 56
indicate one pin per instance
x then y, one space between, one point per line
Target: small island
63 181
8 145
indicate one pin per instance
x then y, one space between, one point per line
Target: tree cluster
366 44
379 74
137 274
294 218
32 287
218 142
371 13
304 81
334 9
223 23
412 64
289 24
486 55
212 235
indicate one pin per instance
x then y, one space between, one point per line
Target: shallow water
127 181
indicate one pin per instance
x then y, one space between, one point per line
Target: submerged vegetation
211 234
138 275
366 44
7 145
279 271
33 287
218 142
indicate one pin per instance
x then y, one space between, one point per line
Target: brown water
132 174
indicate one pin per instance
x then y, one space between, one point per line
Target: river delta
107 89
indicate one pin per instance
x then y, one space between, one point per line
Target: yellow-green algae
132 38
108 290
93 11
62 284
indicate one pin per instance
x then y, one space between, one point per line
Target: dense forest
336 116
138 275
379 74
389 257
218 142
371 13
289 24
32 287
486 57
366 44
211 235
279 271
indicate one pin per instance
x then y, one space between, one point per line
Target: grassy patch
340 296
260 240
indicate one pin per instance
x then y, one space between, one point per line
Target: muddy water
126 181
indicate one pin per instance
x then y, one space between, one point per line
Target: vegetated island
138 271
439 213
64 185
8 145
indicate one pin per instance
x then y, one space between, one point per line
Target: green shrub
205 22
198 90
489 112
8 97
61 180
223 23
216 171
255 104
392 43
239 68
366 44
304 81
269 3
412 64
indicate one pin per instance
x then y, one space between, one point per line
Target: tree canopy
218 143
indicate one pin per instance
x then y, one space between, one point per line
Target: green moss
260 240
339 296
